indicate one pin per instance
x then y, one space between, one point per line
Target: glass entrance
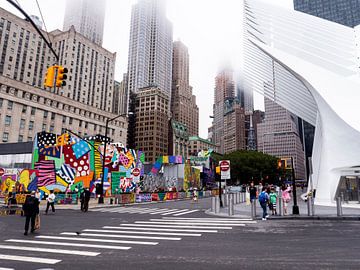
349 189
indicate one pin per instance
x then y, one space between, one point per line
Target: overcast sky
211 29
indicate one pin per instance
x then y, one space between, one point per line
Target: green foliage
251 165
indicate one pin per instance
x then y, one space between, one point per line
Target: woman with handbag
286 197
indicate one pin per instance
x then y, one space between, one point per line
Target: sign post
224 166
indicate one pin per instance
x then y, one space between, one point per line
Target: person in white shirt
50 201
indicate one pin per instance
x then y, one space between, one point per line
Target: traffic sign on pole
225 169
136 174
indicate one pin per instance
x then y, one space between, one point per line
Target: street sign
2 171
225 169
136 172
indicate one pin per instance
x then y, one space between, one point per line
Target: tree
251 165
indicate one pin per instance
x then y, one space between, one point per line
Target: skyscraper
183 102
224 89
345 12
150 47
87 16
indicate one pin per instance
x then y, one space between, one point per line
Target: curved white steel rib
337 144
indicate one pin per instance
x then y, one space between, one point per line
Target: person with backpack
50 202
31 210
263 200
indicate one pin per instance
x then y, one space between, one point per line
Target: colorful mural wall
67 163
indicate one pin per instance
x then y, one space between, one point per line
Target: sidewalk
242 210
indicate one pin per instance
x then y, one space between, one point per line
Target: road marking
186 223
158 229
3 268
209 220
98 240
137 232
218 222
66 244
124 236
52 250
176 226
28 259
192 211
217 219
174 212
162 211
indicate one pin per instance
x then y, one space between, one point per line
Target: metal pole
220 195
253 209
280 203
338 207
295 206
231 205
101 198
309 202
213 204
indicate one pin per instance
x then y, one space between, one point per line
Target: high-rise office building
26 107
345 12
87 16
224 89
183 102
150 47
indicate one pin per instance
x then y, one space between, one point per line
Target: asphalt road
272 244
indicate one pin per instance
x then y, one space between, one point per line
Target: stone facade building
197 144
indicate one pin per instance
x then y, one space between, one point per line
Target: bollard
217 205
223 199
280 202
244 197
338 207
231 205
309 205
238 197
213 204
111 200
226 199
253 209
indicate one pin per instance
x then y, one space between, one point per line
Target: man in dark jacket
84 199
252 191
31 209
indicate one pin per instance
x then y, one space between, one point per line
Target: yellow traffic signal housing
282 163
61 76
49 77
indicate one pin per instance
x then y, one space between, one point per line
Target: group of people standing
268 197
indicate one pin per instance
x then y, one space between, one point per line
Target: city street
163 235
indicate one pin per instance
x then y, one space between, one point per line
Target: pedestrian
286 197
252 191
50 202
264 200
272 204
31 210
84 199
11 202
38 195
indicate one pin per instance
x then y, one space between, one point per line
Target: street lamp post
295 206
101 198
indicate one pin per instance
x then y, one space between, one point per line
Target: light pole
295 206
101 198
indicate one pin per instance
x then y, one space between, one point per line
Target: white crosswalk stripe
149 232
144 210
67 244
159 229
124 236
51 250
28 259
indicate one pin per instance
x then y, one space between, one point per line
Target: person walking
273 199
252 191
84 199
264 200
286 197
31 210
50 202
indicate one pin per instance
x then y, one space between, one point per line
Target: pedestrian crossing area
143 210
123 237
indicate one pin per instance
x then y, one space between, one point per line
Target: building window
29 139
1 102
5 137
21 138
10 105
31 125
33 110
22 123
45 114
52 116
44 127
24 108
51 128
7 120
70 121
64 119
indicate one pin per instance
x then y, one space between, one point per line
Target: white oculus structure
311 67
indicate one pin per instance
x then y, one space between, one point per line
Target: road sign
2 171
136 172
225 169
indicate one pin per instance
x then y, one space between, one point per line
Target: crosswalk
143 210
91 242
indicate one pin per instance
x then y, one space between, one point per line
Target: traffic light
61 76
282 163
49 77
